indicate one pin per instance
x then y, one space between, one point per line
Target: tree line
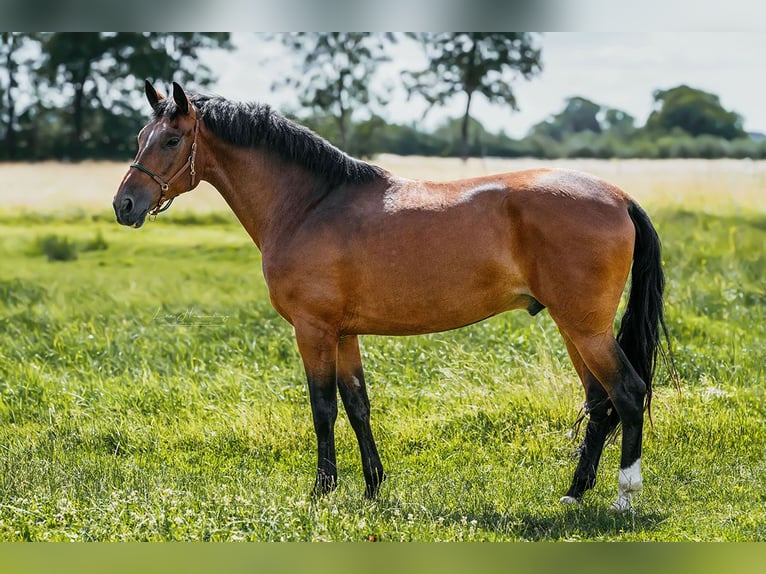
77 95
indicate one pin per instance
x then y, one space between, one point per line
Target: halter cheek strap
165 184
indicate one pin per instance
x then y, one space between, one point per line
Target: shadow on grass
590 521
565 523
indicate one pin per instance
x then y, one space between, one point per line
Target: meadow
148 390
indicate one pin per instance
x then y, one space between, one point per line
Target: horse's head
165 163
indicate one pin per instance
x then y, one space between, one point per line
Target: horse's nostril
127 205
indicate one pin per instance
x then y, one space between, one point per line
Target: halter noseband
164 185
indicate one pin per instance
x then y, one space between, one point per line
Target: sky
619 70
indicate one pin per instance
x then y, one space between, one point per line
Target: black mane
253 125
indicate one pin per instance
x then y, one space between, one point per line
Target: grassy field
148 391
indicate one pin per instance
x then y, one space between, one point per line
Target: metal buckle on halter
154 212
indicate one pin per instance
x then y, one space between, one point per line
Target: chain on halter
165 185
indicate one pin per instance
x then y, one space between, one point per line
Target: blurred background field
714 186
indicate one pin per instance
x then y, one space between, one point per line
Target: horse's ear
181 99
152 95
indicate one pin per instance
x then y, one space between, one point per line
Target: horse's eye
173 142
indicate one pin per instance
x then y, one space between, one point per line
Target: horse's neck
264 192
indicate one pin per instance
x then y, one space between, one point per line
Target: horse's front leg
318 345
354 394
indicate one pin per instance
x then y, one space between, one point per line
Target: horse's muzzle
129 210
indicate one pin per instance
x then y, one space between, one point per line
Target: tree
103 69
334 74
694 111
12 45
579 115
471 63
619 123
450 134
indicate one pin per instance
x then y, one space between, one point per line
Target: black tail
643 322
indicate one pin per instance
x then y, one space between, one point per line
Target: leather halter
165 184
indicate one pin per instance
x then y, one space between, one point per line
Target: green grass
148 391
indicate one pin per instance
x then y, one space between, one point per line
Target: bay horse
350 249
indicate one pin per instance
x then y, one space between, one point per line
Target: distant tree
97 72
334 73
694 111
450 133
579 115
12 46
472 63
619 123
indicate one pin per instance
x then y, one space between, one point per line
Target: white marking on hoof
630 478
568 500
629 483
622 504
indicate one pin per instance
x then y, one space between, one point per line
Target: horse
349 249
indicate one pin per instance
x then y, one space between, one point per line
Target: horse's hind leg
605 359
602 419
353 391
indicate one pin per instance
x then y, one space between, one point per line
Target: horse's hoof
569 500
324 485
622 504
373 483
